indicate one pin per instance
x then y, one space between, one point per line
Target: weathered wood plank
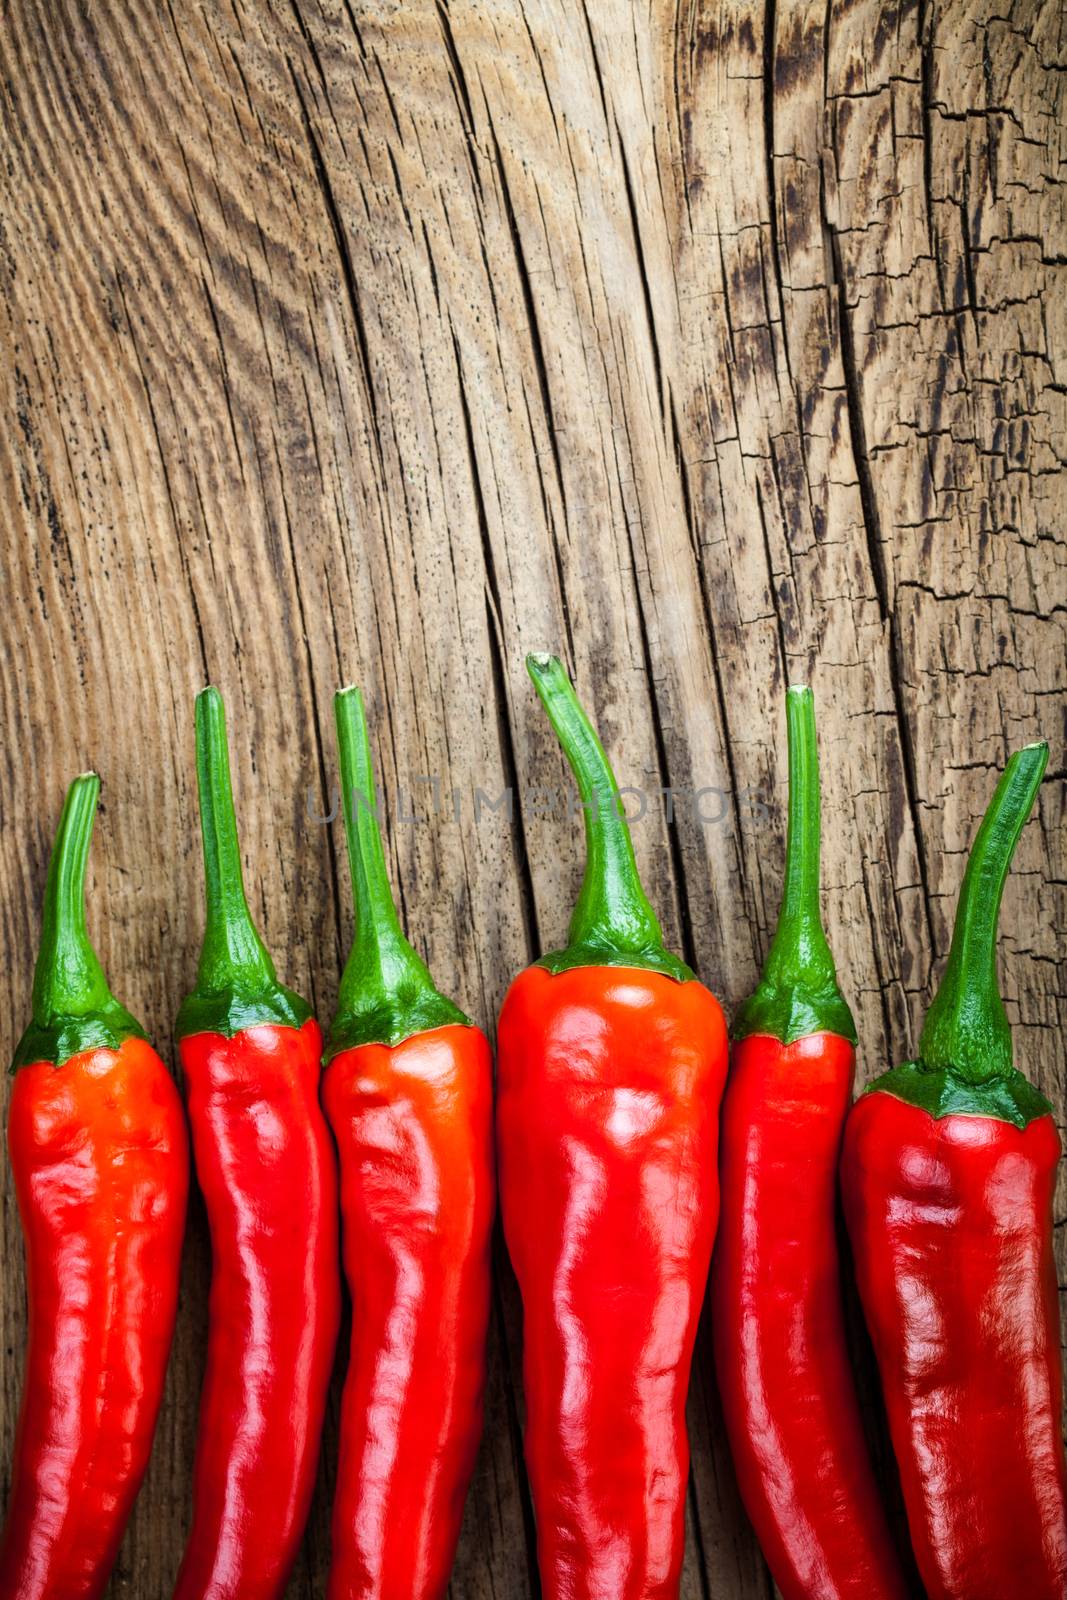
716 346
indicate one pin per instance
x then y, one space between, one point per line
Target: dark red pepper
408 1090
251 1051
948 1172
788 1394
100 1157
611 1060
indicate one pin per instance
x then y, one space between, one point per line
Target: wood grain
715 345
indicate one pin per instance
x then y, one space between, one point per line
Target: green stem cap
236 985
73 1008
613 924
386 992
965 1063
797 993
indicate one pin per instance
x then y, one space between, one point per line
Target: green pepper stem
798 993
380 950
800 930
68 980
613 923
966 1029
73 1007
236 984
386 992
233 954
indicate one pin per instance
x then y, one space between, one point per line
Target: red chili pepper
408 1090
948 1172
788 1395
250 1051
611 1062
99 1153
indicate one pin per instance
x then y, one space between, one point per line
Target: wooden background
711 344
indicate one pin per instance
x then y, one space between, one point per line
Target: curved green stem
965 1062
386 992
613 924
236 985
73 1008
966 1027
797 993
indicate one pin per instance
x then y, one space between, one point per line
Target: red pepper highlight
611 1060
788 1395
98 1149
250 1052
948 1173
408 1091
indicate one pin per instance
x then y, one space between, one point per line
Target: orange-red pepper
408 1091
787 1389
99 1153
250 1051
611 1064
948 1172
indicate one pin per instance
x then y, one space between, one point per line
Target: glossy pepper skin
785 1379
611 1060
250 1052
948 1172
408 1091
98 1149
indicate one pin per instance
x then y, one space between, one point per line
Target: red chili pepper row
612 1061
